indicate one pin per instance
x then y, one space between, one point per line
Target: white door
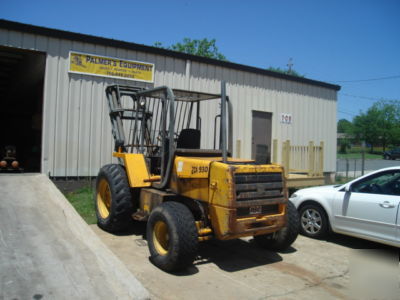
370 206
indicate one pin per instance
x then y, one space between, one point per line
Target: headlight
294 195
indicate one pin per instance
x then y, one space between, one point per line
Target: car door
369 206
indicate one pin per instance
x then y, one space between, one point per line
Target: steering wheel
375 188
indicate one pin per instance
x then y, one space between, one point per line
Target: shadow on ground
231 256
235 255
355 243
136 228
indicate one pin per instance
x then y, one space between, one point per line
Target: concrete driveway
239 269
47 251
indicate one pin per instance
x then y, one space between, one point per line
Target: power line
368 98
347 113
366 80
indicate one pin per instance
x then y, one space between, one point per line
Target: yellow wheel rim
161 237
103 199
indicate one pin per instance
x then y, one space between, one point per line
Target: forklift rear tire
282 239
113 199
172 236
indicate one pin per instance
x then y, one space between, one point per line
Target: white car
367 207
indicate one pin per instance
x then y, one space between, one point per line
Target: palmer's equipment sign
83 63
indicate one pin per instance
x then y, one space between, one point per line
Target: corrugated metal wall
77 137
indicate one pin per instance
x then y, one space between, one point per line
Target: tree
344 126
204 47
389 122
379 125
366 127
288 72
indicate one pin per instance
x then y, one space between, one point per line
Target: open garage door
21 107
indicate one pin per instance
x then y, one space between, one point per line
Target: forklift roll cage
152 118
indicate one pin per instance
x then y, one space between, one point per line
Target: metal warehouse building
57 117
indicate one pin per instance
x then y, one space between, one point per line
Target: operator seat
188 138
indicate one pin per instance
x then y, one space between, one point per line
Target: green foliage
366 127
344 145
389 122
345 126
288 72
358 155
82 201
379 125
203 47
342 179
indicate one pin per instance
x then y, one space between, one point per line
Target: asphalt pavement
354 166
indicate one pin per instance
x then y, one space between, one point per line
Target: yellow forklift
187 194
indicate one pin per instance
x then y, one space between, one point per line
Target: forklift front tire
172 236
113 199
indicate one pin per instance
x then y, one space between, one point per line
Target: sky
355 44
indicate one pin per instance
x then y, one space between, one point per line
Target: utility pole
363 158
290 65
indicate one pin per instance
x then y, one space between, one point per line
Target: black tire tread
180 220
121 206
281 240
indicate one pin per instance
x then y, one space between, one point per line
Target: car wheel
313 221
386 157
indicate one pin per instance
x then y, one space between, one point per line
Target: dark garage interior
21 94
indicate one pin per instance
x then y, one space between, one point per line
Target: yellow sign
83 63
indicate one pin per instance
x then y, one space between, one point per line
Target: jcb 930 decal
199 169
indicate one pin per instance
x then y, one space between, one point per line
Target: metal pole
166 171
223 122
363 159
230 126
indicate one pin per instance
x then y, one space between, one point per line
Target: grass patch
82 201
358 155
355 152
342 179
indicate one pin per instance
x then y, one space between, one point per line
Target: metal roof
56 33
